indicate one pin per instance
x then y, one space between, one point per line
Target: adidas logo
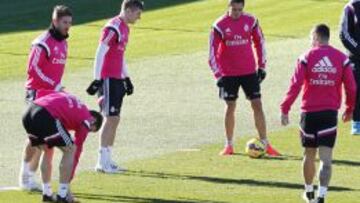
228 30
324 65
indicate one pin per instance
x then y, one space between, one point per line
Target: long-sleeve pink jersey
46 63
321 72
71 112
231 46
110 54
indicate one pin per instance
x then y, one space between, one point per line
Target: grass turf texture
203 176
176 105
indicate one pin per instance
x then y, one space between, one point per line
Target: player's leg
325 171
65 169
46 170
113 92
251 86
58 136
355 130
229 93
309 171
326 138
31 157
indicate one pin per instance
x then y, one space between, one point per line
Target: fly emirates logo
323 69
237 41
61 60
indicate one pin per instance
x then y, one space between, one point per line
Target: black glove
261 74
220 82
94 87
129 87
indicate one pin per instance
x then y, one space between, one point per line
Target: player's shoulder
249 16
114 24
43 41
221 20
303 58
249 19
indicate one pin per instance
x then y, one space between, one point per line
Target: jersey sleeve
108 38
80 137
347 31
259 44
296 84
349 86
38 56
125 72
214 43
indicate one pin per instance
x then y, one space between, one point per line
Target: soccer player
48 120
112 80
233 63
320 72
45 70
349 35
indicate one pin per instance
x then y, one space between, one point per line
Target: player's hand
261 74
94 87
347 116
285 120
129 87
220 82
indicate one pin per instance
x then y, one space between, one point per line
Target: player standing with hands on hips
234 65
321 72
112 80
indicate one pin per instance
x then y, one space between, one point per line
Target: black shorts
30 95
113 92
42 128
249 83
318 129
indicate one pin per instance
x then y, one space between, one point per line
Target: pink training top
46 63
109 61
231 46
71 112
321 72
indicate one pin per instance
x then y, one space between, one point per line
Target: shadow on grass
18 15
338 162
217 180
121 198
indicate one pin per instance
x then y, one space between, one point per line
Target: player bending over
47 122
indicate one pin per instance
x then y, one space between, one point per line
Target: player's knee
112 120
230 106
257 105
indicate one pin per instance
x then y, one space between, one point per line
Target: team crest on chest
246 27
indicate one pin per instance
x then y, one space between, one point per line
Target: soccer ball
254 148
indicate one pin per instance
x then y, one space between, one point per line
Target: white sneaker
109 167
28 183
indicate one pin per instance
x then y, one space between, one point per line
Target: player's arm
38 56
347 36
129 87
350 90
214 43
296 84
259 44
80 137
108 37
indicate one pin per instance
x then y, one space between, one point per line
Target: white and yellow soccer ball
255 148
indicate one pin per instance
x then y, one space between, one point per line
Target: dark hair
323 31
237 1
98 119
61 11
132 4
